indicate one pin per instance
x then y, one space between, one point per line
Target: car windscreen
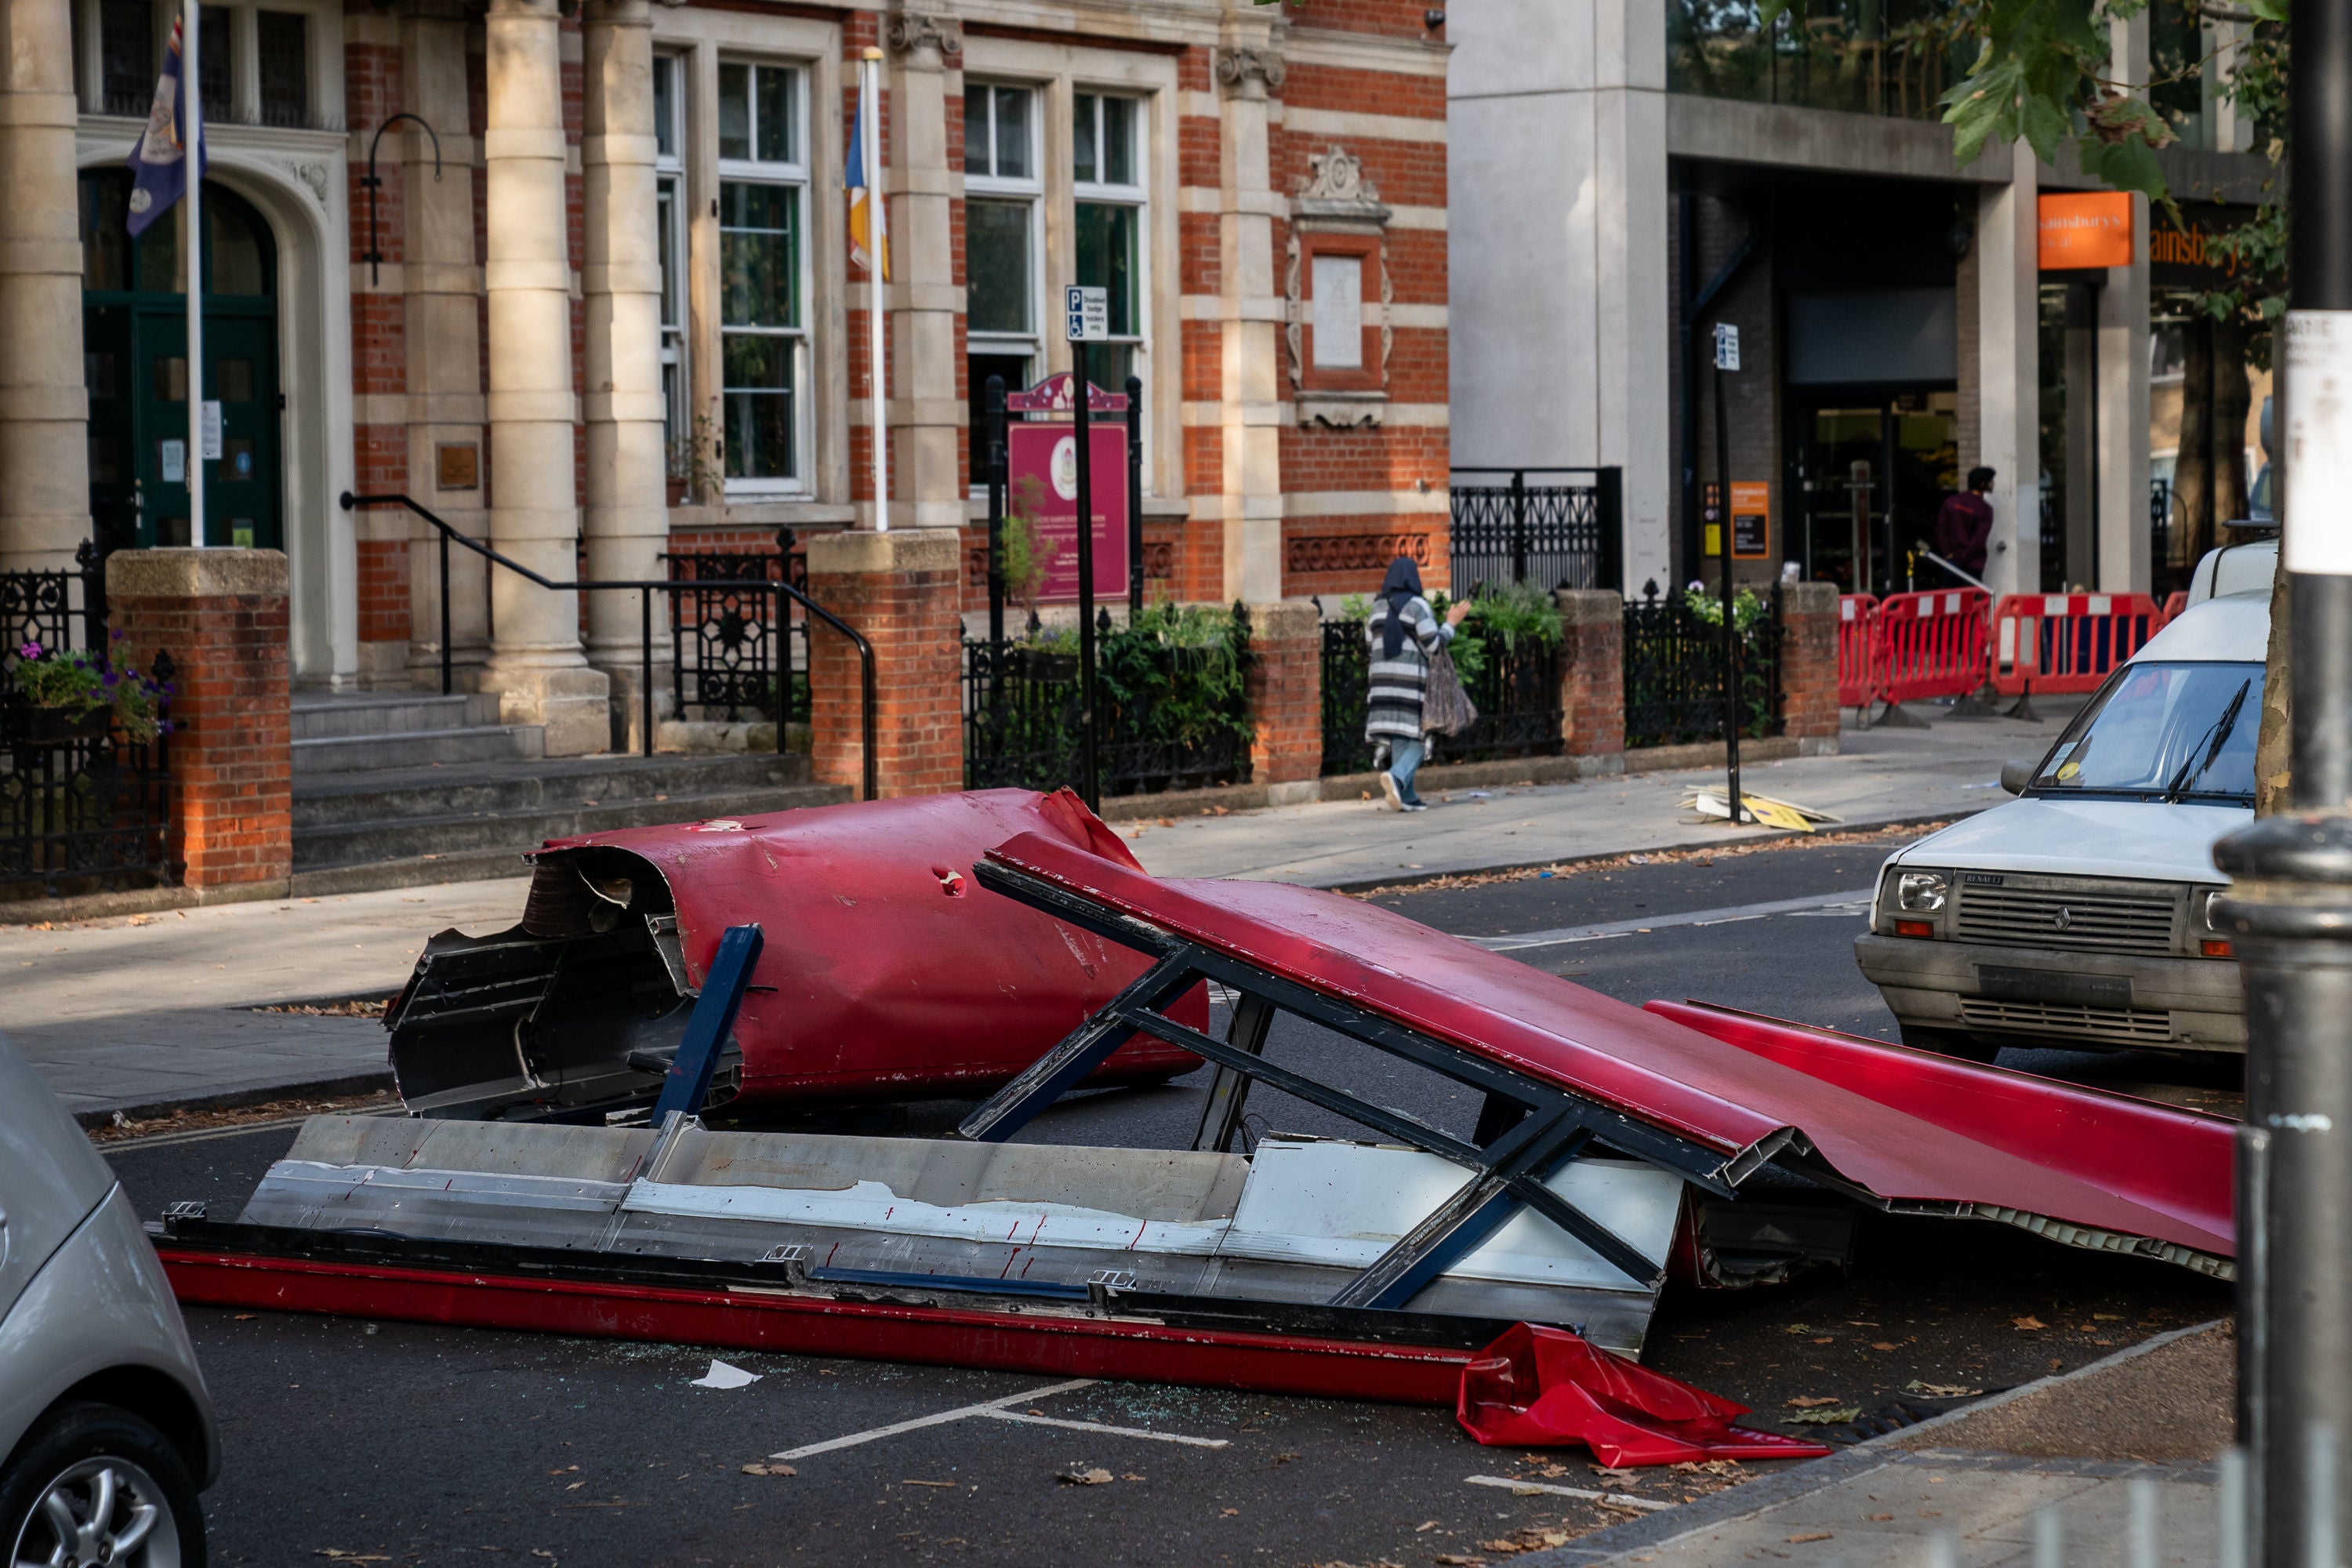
2163 731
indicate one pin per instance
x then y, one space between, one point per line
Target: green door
135 343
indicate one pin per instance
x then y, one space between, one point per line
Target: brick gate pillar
1285 680
1808 675
1593 680
221 614
901 590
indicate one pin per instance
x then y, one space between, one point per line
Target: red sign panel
1042 460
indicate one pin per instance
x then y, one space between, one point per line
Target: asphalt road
352 1440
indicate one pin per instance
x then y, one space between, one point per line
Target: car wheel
92 1484
1948 1043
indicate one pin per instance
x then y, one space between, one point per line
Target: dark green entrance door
135 340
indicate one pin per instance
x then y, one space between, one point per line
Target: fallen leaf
914 1483
1812 1401
1940 1390
1881 1518
1837 1417
1130 1476
249 1317
1228 1512
1453 1560
1825 1340
1876 1345
769 1471
1278 1458
1423 1525
2027 1325
566 1470
1812 1535
1097 1477
2108 1317
1501 1547
575 1486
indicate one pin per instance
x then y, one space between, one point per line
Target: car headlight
1922 892
2206 933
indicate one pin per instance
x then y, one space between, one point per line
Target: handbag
1445 707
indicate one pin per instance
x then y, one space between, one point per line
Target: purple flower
111 678
115 636
29 650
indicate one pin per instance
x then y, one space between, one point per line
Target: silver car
107 1430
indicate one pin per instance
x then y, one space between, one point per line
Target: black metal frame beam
1559 1126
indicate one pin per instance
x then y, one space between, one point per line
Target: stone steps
401 789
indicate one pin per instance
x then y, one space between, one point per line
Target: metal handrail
645 588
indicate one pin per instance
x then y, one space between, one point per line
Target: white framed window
1107 159
670 218
258 65
1004 240
763 196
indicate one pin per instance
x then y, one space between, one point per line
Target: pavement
2092 1458
1878 776
137 1015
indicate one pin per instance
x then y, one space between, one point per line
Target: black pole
2289 912
646 663
1731 630
446 687
1090 779
1519 525
994 402
1134 498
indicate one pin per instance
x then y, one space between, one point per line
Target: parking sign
1088 310
1727 346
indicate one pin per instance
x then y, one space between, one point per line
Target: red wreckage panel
1903 1127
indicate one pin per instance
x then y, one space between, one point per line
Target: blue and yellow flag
869 220
159 163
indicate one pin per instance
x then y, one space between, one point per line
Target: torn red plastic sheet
1887 1124
886 974
1537 1387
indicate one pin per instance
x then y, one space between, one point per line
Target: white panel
1338 319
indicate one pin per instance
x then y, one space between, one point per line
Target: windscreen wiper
2221 733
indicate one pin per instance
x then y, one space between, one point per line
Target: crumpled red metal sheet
1539 1387
2051 1148
1904 1125
887 970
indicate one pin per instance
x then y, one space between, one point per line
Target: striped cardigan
1393 700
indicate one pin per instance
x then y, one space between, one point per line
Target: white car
2077 913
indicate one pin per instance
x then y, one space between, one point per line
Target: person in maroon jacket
1964 523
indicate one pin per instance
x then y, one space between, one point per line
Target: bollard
2049 1538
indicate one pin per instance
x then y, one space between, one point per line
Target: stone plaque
460 465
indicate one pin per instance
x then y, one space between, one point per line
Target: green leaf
2045 124
2125 165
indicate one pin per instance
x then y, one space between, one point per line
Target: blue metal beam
713 1020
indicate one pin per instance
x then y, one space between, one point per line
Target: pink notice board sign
1042 460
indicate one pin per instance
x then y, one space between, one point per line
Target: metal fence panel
1516 691
1558 531
727 657
1673 673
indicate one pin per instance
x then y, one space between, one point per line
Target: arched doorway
135 347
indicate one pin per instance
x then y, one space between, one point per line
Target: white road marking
1098 1426
1518 942
996 1409
1615 1499
941 1419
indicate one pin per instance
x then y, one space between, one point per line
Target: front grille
2075 922
2117 1026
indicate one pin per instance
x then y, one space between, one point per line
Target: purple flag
159 163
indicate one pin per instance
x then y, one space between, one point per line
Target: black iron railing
1674 672
1563 531
1515 689
82 806
731 653
1347 684
644 589
1022 714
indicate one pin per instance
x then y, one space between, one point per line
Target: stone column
1560 316
1593 680
536 665
221 614
927 417
2008 379
43 414
2121 355
1284 682
627 516
441 283
1252 309
1809 672
900 590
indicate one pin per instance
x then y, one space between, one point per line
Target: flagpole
877 236
192 96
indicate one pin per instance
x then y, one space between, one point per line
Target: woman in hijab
1403 632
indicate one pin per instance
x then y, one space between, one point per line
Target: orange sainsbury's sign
2084 229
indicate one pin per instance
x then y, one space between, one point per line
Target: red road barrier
1931 645
1857 627
2067 642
